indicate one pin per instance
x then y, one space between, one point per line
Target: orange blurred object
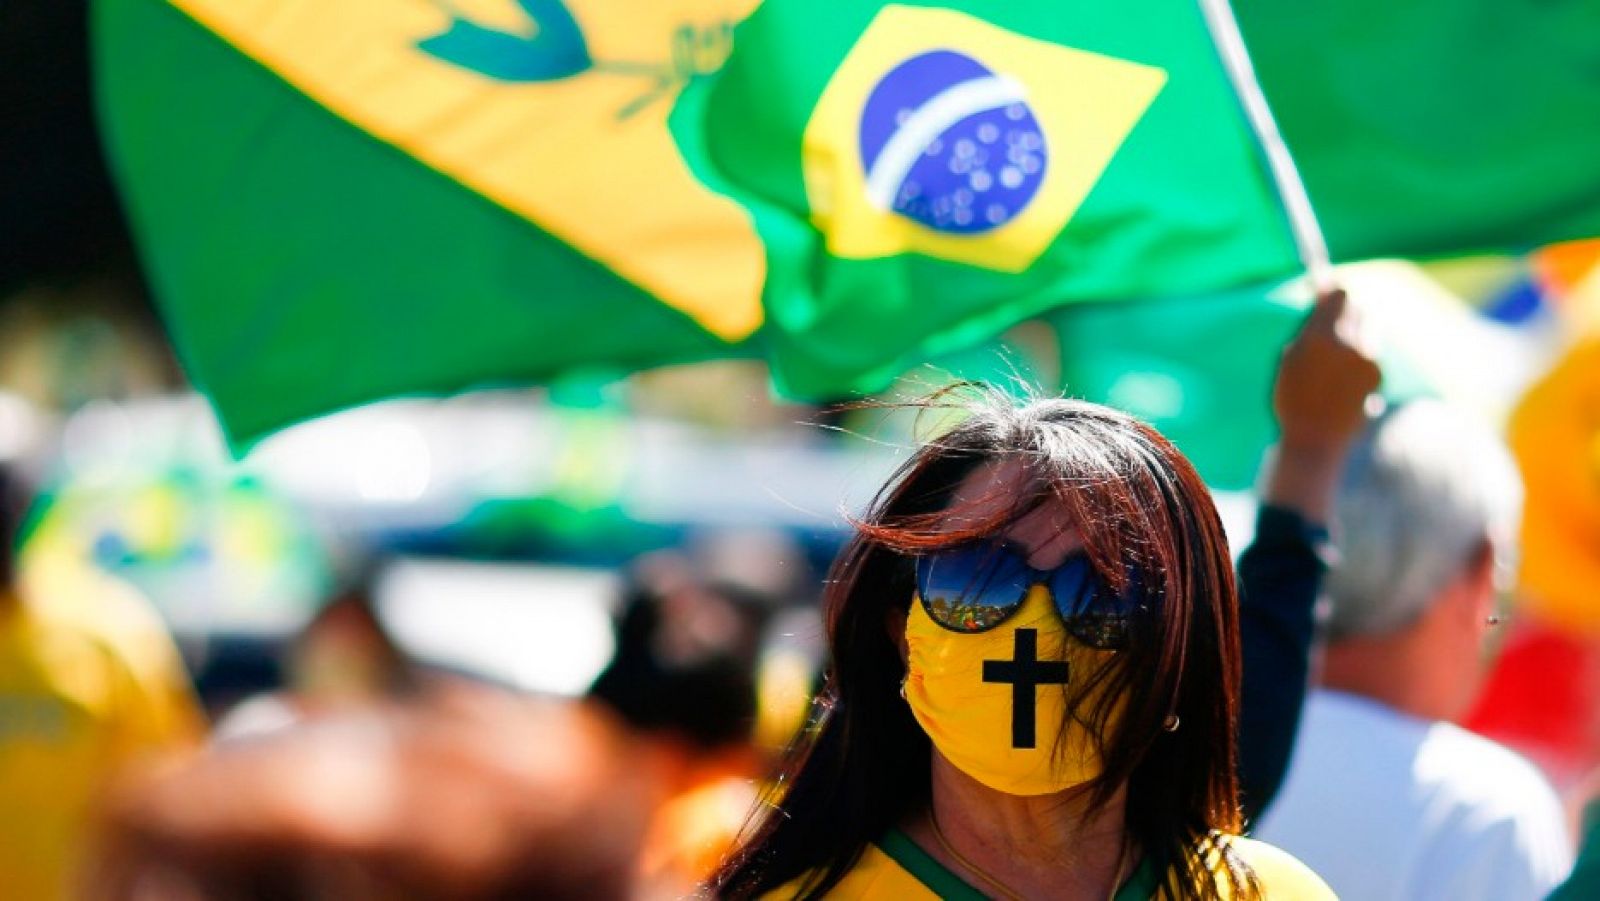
1560 268
1555 434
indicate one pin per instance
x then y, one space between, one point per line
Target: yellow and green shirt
897 868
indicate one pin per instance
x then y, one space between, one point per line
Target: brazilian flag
345 201
923 176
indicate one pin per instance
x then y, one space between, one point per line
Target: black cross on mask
1025 671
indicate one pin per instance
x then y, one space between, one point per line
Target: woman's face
994 702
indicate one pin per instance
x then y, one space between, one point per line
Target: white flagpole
1303 224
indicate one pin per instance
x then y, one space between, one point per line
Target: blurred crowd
364 773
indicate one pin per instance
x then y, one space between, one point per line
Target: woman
1034 683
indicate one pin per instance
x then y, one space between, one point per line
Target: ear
894 620
1477 588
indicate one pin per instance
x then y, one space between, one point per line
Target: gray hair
1425 486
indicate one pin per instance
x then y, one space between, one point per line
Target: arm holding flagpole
1319 400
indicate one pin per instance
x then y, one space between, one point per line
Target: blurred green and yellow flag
340 202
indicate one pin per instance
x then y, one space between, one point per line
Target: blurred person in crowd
343 658
1035 652
684 679
1385 797
468 793
90 683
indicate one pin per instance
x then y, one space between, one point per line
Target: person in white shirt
1385 798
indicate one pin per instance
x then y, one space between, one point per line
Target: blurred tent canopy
344 202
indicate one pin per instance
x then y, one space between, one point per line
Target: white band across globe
927 123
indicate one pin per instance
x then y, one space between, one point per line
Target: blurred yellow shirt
89 679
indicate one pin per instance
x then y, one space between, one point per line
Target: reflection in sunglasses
977 587
967 617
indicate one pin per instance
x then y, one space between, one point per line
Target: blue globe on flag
949 143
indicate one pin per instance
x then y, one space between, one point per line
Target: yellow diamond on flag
561 120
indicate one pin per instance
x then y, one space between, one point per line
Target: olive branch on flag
556 49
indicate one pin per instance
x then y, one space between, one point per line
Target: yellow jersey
897 868
89 679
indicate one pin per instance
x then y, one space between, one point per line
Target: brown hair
862 766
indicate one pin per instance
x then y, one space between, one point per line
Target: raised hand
1319 398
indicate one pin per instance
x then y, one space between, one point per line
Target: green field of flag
341 202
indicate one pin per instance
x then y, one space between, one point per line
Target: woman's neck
1044 846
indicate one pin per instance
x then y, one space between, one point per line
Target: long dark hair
862 765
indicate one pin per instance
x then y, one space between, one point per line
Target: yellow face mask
994 703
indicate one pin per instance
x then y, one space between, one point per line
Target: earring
1170 724
903 686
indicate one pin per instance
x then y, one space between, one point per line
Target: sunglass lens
1093 612
1073 586
972 589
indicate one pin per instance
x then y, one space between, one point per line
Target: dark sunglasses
975 587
